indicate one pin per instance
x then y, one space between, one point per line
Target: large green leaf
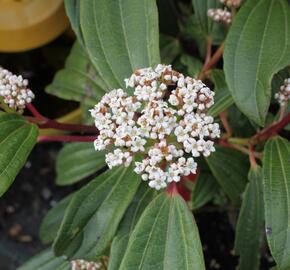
276 172
52 220
222 98
46 261
165 237
79 80
76 161
120 242
249 230
205 27
72 8
230 169
17 138
93 215
258 46
204 190
120 36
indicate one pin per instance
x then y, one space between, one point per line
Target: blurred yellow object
27 24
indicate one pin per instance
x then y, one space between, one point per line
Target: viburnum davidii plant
184 108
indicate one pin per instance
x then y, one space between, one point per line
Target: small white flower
173 100
14 91
168 128
284 94
220 15
138 145
85 265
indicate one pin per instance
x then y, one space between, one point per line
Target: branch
66 138
68 127
223 117
239 148
271 130
252 159
35 112
215 58
46 123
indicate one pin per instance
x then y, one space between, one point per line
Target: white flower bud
13 90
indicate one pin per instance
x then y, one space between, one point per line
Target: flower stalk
270 131
66 138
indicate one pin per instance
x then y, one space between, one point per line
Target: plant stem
239 148
223 117
4 106
270 131
35 112
282 111
208 52
252 157
215 58
240 141
68 127
172 189
66 138
46 123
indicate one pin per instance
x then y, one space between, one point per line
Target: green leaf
276 172
165 237
256 48
79 80
192 64
51 222
46 261
17 138
230 169
76 161
222 98
205 27
94 213
72 8
240 124
169 48
249 230
204 190
142 198
120 36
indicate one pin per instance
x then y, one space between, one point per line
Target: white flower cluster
231 3
14 90
283 95
220 15
84 265
164 123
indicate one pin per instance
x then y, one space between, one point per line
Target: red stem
35 112
223 117
271 131
49 123
208 52
66 138
252 156
215 58
172 189
68 127
240 148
